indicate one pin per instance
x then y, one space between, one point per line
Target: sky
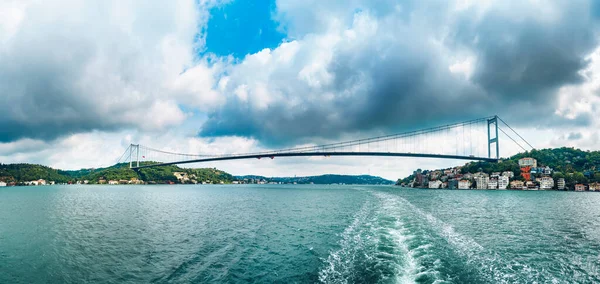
81 80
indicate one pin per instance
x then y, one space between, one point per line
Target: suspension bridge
475 140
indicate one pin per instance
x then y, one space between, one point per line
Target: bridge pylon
492 134
134 148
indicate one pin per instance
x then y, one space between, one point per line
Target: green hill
563 160
575 165
26 172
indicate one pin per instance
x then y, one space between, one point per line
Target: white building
464 184
183 177
481 181
560 184
528 162
33 182
2 183
503 182
594 186
508 174
547 170
495 175
546 183
435 184
113 182
493 184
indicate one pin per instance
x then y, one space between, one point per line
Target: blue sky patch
242 27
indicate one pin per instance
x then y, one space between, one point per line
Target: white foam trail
486 261
410 269
407 270
339 265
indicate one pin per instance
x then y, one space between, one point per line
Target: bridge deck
307 154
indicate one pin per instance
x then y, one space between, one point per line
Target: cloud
79 81
103 66
367 67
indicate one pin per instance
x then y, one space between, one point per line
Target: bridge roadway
307 154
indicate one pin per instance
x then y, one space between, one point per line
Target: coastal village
531 177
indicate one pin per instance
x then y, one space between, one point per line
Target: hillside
28 172
20 173
323 179
575 165
561 160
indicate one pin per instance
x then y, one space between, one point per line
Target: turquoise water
296 234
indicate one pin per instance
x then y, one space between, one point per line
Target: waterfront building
530 185
546 183
516 184
579 187
481 181
2 183
101 181
464 184
495 175
493 183
435 184
33 182
508 174
528 162
560 184
594 186
452 184
503 182
113 182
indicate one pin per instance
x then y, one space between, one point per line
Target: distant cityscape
530 177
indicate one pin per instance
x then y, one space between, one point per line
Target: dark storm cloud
529 58
398 90
39 91
67 69
398 81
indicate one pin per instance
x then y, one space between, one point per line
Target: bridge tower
492 127
134 148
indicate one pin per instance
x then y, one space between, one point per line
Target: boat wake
490 266
378 247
